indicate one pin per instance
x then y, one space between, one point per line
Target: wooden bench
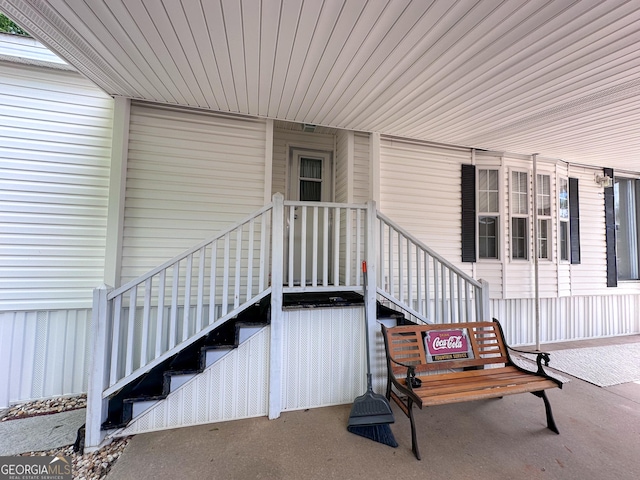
461 362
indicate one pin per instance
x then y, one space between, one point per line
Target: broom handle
366 321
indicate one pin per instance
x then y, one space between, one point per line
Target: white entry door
310 180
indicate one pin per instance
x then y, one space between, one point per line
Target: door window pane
310 179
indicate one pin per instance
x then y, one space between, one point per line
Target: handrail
427 249
422 282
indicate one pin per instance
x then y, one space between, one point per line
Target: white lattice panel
234 387
325 361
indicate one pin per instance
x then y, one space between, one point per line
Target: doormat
602 366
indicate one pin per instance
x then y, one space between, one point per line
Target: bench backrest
406 344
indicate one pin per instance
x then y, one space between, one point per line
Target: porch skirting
568 318
43 354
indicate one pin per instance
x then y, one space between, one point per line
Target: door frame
293 176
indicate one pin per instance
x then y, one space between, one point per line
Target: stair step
142 406
176 380
213 354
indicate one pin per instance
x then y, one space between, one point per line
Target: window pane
563 198
544 195
488 237
564 241
519 238
626 228
310 191
310 168
519 193
488 195
543 238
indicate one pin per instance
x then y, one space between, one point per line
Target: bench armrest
540 357
410 379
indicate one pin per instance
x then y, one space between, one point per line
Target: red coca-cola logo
446 342
455 341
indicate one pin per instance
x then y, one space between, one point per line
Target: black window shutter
468 213
574 221
610 223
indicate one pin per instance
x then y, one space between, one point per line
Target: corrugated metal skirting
43 354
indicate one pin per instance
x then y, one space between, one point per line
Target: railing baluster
460 299
162 278
401 282
443 296
467 294
292 244
212 282
348 248
452 297
421 307
358 242
187 298
314 252
303 248
116 339
146 320
263 249
250 262
336 246
173 323
436 291
129 341
325 247
200 297
238 268
392 272
225 276
409 277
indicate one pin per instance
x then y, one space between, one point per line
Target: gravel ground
90 466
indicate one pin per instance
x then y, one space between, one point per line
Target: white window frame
489 213
632 237
517 213
544 217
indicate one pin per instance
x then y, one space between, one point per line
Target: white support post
485 306
96 406
276 347
372 275
117 186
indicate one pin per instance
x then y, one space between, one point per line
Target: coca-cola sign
447 345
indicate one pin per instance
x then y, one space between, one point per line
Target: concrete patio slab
507 438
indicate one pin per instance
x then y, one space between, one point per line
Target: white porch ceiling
560 77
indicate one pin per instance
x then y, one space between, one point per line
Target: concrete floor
494 439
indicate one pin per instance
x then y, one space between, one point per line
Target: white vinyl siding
282 141
590 276
342 167
55 147
189 175
420 190
361 168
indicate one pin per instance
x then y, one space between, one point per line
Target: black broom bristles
377 433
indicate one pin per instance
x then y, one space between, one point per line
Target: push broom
371 413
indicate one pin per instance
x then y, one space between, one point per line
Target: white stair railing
325 244
158 314
424 284
306 246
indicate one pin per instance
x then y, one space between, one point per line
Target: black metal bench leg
551 424
414 439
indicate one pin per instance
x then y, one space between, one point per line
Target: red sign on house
447 345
